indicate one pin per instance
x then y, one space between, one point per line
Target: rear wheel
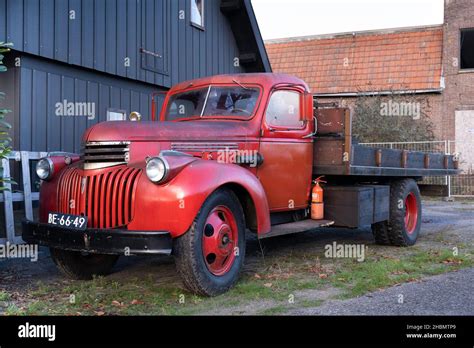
405 215
80 266
210 255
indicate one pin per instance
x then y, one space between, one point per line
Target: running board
295 227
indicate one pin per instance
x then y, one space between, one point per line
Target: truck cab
228 153
277 113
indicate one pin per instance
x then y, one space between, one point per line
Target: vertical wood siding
43 84
103 34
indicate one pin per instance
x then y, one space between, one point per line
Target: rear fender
174 206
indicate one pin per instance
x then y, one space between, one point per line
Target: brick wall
459 92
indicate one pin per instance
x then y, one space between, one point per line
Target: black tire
78 266
188 249
395 231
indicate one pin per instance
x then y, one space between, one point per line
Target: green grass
265 292
4 296
12 309
379 272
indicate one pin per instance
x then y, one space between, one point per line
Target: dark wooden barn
113 54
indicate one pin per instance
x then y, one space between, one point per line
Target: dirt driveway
283 275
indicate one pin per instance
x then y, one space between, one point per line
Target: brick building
435 62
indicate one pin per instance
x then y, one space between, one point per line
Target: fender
174 206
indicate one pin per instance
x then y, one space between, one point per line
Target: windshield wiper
241 85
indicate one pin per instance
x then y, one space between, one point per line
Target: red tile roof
364 62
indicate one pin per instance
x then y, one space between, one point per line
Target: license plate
69 221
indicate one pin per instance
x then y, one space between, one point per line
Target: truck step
295 227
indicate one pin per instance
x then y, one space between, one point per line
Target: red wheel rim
411 213
219 238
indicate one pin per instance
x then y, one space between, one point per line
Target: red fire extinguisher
317 203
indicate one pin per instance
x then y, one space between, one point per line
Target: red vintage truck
229 153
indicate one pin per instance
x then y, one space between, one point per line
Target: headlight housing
157 169
45 168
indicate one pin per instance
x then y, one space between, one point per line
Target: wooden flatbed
337 153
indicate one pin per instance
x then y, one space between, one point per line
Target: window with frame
284 110
212 102
116 115
197 13
467 48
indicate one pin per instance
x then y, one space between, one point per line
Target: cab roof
267 80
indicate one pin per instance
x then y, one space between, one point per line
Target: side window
197 13
467 48
116 115
284 110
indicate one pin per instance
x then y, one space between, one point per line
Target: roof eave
258 36
359 94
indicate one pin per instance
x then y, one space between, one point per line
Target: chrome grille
203 147
105 154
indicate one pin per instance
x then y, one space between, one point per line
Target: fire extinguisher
317 203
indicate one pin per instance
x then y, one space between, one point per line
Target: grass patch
379 272
265 291
4 296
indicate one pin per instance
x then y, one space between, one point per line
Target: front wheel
210 255
80 266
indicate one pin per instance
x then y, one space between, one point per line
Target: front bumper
98 241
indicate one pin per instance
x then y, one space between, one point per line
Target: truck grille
107 199
105 154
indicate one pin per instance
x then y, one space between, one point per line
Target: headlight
157 169
45 169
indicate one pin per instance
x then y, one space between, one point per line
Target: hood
171 131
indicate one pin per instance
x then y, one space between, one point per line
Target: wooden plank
93 97
31 15
3 21
111 37
61 28
26 80
121 14
296 227
39 117
20 197
47 28
16 155
100 21
15 23
8 206
87 36
132 44
53 125
25 169
67 123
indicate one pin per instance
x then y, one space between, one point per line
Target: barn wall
43 84
106 34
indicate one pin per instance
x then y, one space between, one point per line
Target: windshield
213 101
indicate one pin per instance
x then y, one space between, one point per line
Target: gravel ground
447 294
